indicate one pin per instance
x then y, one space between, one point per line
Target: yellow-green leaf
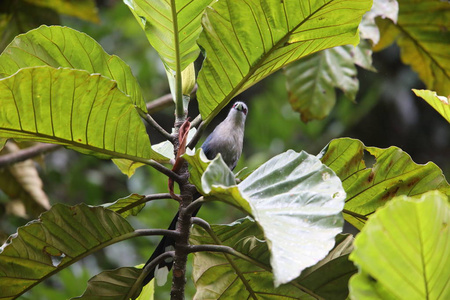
422 33
403 251
58 46
439 103
172 28
247 41
82 111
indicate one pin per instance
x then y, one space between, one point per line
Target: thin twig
155 124
160 103
149 232
156 165
156 197
144 200
27 153
158 127
196 122
165 101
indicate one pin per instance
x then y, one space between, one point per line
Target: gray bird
226 139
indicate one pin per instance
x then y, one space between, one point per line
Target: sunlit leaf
226 276
83 9
82 111
403 252
295 199
172 27
440 103
127 167
422 35
60 237
58 46
381 8
21 182
389 172
245 42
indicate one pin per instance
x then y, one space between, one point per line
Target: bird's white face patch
240 106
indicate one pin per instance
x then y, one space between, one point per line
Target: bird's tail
167 243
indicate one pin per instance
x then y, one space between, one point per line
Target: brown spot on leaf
390 194
413 182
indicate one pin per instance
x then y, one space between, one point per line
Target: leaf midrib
67 142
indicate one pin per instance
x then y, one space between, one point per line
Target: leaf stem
156 165
155 125
198 134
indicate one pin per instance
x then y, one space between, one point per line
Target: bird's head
238 113
240 107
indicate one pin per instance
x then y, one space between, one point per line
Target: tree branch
165 101
27 153
160 103
194 205
155 125
150 232
197 121
144 200
169 173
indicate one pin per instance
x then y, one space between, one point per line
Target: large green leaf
393 173
172 27
403 252
247 41
296 200
219 276
60 237
439 103
58 46
423 38
82 111
311 81
113 285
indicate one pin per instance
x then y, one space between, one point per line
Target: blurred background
386 113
